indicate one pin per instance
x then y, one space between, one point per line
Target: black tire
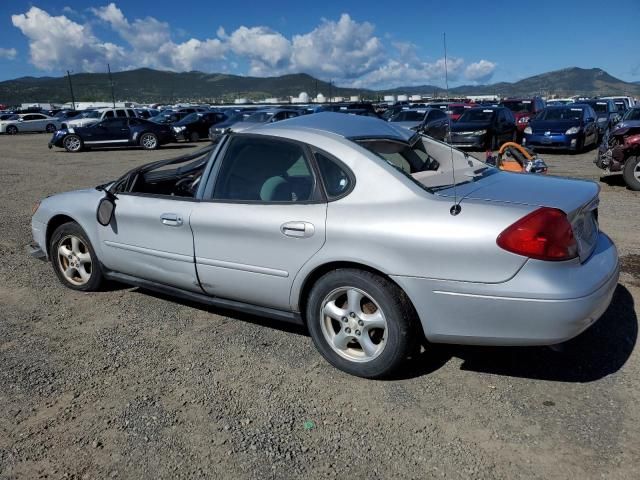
400 335
72 143
12 130
62 235
149 141
194 137
631 168
50 128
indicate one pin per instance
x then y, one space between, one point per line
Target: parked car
628 102
168 118
195 126
217 131
430 121
455 110
523 109
570 127
91 117
607 114
483 128
630 118
29 122
555 102
620 151
146 113
113 132
63 115
306 221
267 115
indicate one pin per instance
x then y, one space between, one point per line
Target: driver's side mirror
104 214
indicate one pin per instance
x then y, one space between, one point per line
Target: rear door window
335 178
121 113
109 114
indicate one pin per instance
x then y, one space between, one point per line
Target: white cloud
150 40
345 50
480 71
398 73
8 53
57 43
268 51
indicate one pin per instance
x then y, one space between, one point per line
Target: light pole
73 100
113 98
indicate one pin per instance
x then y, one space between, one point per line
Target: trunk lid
577 198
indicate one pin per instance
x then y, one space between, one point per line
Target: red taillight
545 234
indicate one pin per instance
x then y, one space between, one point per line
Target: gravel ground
128 384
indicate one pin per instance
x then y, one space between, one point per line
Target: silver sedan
371 235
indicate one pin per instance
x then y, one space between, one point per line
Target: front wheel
361 323
149 141
631 173
73 258
12 130
72 143
50 128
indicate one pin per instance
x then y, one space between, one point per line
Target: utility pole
113 98
73 100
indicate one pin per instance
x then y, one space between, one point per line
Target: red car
455 110
523 109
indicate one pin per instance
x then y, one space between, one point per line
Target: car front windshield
633 114
567 113
519 106
479 115
259 117
408 116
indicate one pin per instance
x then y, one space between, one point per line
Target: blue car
607 114
113 132
568 127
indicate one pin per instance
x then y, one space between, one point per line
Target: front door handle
171 219
298 229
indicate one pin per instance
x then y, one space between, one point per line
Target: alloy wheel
74 260
353 324
149 141
72 143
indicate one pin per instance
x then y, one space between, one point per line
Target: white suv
91 117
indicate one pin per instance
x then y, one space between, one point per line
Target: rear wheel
73 258
72 143
631 172
149 141
50 128
361 323
12 130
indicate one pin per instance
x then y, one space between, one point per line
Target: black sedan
483 128
195 126
114 132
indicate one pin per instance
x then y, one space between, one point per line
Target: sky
364 44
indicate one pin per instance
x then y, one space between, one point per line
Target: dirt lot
128 384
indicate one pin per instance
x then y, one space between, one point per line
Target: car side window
28 117
121 114
108 114
264 170
131 113
334 177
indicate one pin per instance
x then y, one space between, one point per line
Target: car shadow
599 351
614 180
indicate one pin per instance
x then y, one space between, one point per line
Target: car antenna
455 208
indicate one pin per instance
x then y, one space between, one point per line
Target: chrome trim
242 267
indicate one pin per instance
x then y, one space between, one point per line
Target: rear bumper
545 303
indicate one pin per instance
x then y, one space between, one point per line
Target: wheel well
54 223
316 274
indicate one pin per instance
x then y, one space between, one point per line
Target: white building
320 98
403 98
240 101
354 98
390 98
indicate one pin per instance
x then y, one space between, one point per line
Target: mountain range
147 85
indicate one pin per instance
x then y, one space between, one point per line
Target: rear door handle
298 229
171 219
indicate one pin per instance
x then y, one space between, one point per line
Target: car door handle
297 229
171 219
